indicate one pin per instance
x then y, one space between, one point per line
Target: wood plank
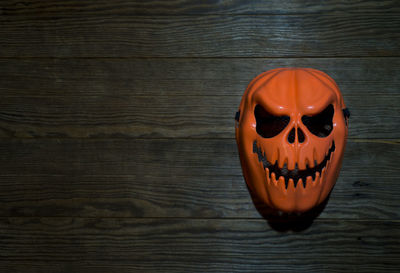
178 196
166 117
185 77
188 7
113 34
163 156
190 98
180 178
172 245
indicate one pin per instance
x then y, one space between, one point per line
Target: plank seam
195 57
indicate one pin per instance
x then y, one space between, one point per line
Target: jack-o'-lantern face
291 132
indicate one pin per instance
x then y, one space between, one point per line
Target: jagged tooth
331 149
309 181
317 181
267 176
306 163
311 163
262 152
281 184
260 158
321 176
292 184
315 156
273 178
283 163
270 177
328 163
277 157
331 157
274 156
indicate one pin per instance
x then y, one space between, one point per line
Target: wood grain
171 245
190 98
179 178
194 7
121 35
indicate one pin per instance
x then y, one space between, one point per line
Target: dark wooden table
117 150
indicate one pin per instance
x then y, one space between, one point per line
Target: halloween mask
291 130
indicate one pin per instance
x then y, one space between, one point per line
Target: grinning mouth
295 174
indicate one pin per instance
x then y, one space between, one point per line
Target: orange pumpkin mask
291 130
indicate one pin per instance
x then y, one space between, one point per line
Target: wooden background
117 149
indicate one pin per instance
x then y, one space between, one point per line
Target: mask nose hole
291 136
300 135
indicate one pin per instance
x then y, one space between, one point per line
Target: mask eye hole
320 124
269 125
